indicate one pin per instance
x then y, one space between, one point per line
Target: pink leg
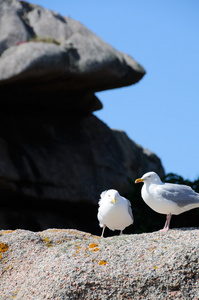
167 223
121 231
103 231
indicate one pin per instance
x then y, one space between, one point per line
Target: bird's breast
155 201
115 216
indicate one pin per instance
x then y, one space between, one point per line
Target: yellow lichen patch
3 247
93 245
47 241
152 249
77 246
7 268
7 231
95 249
58 242
55 230
15 293
102 262
155 267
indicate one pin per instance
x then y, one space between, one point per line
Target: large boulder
69 160
69 264
52 148
62 54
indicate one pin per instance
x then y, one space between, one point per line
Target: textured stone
69 160
70 58
13 29
69 264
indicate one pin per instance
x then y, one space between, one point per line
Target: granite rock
70 264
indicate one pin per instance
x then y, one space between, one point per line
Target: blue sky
161 112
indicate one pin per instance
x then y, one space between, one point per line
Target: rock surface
69 160
69 264
52 149
41 46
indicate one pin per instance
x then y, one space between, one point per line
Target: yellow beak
113 200
139 180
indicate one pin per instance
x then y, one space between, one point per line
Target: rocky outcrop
69 160
46 52
52 148
69 264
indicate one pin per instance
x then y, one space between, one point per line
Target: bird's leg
121 232
103 231
167 223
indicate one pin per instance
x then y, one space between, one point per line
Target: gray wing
182 195
129 207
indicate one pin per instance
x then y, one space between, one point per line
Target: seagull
114 211
167 198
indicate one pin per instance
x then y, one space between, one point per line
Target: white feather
116 216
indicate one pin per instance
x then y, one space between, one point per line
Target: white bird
114 211
167 198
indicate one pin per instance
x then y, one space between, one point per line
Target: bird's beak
139 180
113 200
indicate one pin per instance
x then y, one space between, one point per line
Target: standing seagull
114 211
167 198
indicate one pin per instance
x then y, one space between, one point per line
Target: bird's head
112 196
150 177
